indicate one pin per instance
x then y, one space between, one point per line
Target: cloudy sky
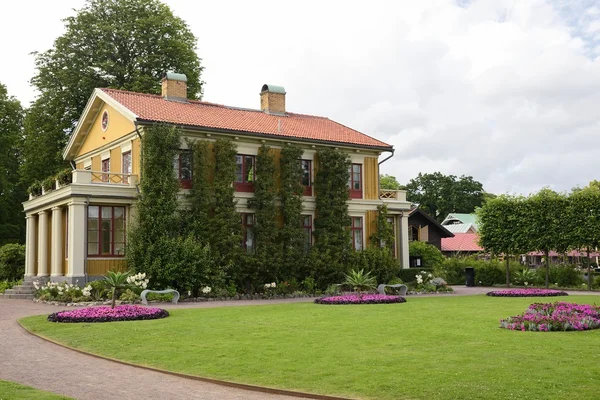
505 91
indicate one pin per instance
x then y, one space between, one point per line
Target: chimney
272 99
174 87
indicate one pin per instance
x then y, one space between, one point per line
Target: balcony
396 195
106 178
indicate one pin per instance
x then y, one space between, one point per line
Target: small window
245 173
413 233
307 227
106 231
355 181
105 169
126 166
357 233
183 168
248 232
307 177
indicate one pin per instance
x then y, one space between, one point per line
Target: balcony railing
99 177
387 194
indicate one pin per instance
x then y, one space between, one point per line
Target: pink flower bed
106 314
527 293
559 316
364 299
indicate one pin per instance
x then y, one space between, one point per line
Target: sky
505 91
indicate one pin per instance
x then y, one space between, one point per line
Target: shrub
562 275
98 291
379 262
48 183
35 189
65 176
489 274
525 277
4 285
431 256
410 275
63 291
12 262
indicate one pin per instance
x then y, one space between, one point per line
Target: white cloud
502 90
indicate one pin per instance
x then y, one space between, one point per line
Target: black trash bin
470 275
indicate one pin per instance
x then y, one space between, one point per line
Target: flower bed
108 314
559 316
527 293
364 299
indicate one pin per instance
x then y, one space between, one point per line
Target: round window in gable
104 120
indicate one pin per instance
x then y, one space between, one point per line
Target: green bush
410 275
430 255
4 285
99 291
379 262
562 275
489 272
12 262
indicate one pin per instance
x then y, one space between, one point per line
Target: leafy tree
389 182
383 237
545 224
12 262
439 194
431 256
267 254
583 221
12 193
502 228
115 281
290 192
333 243
122 44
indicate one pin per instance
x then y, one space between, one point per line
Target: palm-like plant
360 281
115 281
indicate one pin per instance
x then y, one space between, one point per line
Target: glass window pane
119 248
250 239
249 219
119 236
356 168
358 240
92 224
306 172
357 185
357 222
238 169
106 213
93 249
249 169
92 236
92 211
186 166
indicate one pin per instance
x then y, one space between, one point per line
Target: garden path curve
31 361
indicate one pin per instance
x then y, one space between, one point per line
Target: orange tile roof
150 107
461 242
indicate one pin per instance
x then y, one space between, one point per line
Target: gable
96 137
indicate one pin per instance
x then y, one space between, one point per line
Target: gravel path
31 361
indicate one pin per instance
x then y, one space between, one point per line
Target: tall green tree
201 193
12 192
439 194
545 224
268 251
383 237
122 44
292 236
389 182
502 228
583 221
332 236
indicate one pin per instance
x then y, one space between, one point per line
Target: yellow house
78 231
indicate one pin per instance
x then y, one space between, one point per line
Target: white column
43 243
30 245
403 240
57 242
77 240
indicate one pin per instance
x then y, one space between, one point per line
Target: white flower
273 284
189 292
525 283
429 275
267 285
87 291
206 289
36 285
144 285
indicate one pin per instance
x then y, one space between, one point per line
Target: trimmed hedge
409 275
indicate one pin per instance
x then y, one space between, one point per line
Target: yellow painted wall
371 172
96 167
135 157
101 267
116 160
370 226
79 166
118 126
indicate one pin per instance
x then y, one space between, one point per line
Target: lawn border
244 386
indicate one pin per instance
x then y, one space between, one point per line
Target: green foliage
35 189
291 233
409 275
384 231
4 285
526 277
431 256
65 176
116 281
12 262
12 191
489 272
129 296
201 193
267 255
48 183
438 194
563 275
389 182
332 236
157 220
378 261
98 290
360 280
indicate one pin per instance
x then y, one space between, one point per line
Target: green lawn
13 391
427 348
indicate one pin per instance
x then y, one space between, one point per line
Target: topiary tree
432 257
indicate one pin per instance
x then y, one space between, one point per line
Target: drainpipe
379 166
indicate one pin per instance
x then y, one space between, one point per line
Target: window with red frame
307 176
106 231
105 169
126 166
307 227
248 232
355 181
357 233
183 168
245 172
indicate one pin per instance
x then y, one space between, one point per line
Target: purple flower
559 316
364 299
108 314
526 293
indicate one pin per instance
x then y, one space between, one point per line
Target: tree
201 193
501 228
389 182
431 256
545 224
439 195
12 193
122 44
114 281
12 262
583 221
